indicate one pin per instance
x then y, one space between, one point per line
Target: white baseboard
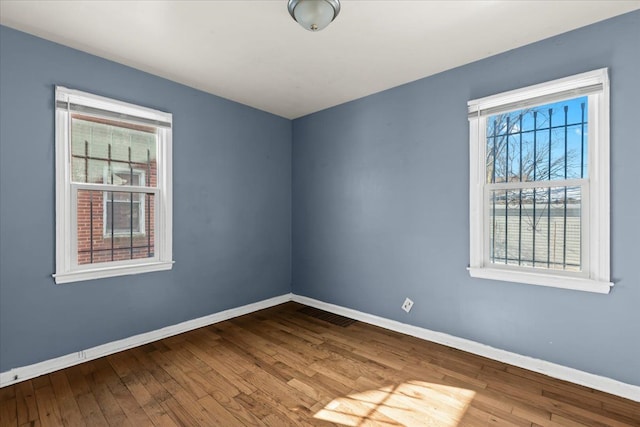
586 379
31 371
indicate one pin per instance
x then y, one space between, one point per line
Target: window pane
123 216
110 152
548 142
538 227
126 178
114 226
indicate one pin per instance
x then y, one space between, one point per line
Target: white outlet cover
406 306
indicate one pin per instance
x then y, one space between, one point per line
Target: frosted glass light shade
314 15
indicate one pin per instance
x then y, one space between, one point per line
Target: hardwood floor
281 367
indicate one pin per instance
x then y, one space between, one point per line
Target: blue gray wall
381 207
232 207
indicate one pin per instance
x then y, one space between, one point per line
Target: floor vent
326 316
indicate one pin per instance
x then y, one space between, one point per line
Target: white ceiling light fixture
314 15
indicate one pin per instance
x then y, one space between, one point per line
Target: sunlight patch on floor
412 403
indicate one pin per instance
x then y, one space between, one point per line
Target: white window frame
595 276
68 101
141 217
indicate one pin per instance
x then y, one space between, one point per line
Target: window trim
596 211
67 269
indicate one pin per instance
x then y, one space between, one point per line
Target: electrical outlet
406 306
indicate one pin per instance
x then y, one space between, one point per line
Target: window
124 212
539 184
113 188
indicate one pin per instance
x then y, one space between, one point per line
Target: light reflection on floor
412 403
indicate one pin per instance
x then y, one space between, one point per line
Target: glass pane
114 226
106 151
536 227
548 142
123 216
126 178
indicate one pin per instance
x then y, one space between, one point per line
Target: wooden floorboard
282 367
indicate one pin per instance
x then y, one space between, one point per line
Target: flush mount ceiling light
314 15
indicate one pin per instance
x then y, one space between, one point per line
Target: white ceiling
252 52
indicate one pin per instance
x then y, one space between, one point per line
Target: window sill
541 279
113 271
123 235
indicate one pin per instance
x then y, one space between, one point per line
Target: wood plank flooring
280 367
